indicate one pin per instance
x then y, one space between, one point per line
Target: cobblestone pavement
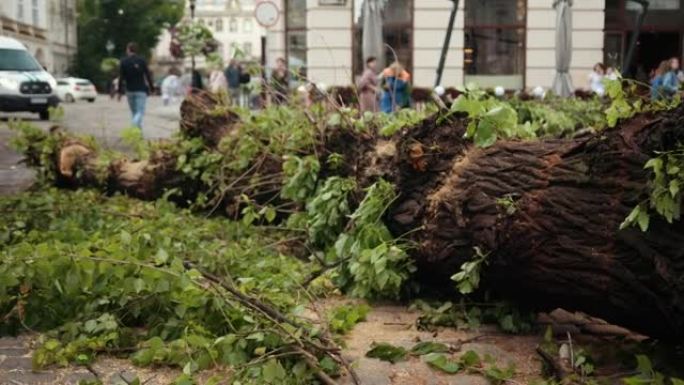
105 119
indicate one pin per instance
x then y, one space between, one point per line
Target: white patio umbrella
372 43
562 84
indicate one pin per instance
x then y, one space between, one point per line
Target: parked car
72 89
25 86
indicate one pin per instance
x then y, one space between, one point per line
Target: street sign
266 13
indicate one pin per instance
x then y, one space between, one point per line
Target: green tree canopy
121 22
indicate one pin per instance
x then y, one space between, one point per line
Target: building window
35 12
397 33
219 25
247 48
20 10
494 53
248 25
233 26
295 35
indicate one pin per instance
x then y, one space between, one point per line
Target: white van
24 85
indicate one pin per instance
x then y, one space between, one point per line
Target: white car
25 86
72 89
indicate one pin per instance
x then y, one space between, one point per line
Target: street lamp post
192 19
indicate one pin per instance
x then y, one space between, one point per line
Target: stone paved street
104 119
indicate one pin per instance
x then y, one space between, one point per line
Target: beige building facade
46 27
510 43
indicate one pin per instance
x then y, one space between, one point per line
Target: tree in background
119 21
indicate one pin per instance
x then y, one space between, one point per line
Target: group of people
666 80
136 82
387 92
597 76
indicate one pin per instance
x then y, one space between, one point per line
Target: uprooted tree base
548 212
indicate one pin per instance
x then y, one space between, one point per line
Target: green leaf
441 362
273 371
644 364
387 352
426 347
643 220
485 135
470 359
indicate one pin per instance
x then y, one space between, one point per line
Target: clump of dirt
208 116
424 156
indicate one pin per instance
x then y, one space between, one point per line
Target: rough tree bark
562 245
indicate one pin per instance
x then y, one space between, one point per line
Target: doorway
651 49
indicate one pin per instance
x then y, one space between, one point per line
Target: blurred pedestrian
171 87
114 88
596 79
136 81
657 82
280 83
396 93
368 87
217 80
233 73
671 82
611 74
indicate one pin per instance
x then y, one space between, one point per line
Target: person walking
596 79
396 92
233 73
368 87
217 80
170 87
136 81
280 83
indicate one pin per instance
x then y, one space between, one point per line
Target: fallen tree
547 213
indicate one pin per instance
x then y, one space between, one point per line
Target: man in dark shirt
233 73
135 80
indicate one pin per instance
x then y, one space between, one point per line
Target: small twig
92 371
310 360
558 370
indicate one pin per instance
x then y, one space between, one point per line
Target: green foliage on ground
111 275
440 357
467 315
343 318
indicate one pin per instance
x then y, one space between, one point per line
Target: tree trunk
549 213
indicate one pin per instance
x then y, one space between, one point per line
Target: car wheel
44 115
69 98
91 100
